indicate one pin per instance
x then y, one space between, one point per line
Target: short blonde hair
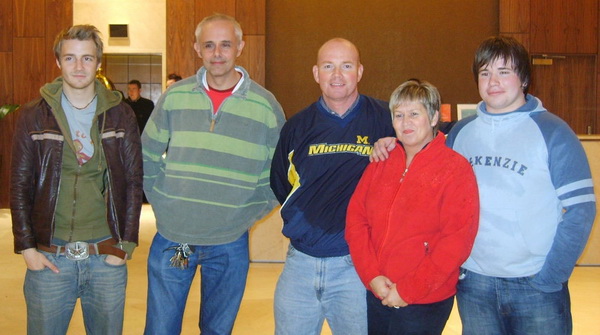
81 32
415 90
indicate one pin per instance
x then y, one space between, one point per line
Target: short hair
220 17
421 91
507 48
135 82
81 32
174 76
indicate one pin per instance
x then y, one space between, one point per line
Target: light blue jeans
507 306
51 297
223 273
312 289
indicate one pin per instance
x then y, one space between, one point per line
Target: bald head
338 72
337 44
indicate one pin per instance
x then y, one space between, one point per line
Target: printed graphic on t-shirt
80 149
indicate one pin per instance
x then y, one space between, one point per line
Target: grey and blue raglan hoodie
536 193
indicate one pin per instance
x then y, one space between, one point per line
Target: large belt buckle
77 251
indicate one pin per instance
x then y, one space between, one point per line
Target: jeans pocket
103 258
348 260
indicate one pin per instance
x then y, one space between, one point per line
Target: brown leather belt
105 247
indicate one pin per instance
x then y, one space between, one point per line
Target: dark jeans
427 319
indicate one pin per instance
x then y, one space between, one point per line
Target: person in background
537 201
410 225
76 193
219 130
172 78
141 106
319 159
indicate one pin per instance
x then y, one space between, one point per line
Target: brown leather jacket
36 168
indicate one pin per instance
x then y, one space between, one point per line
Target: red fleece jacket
415 229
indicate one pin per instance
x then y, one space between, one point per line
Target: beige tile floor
256 312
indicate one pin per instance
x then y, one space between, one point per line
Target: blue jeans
491 305
51 297
223 271
426 319
312 289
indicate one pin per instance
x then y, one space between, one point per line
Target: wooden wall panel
6 25
59 16
29 68
181 57
560 87
251 15
252 58
522 38
431 40
6 125
30 16
564 26
514 16
6 75
208 7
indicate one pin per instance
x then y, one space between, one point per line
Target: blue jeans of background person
311 289
51 297
491 305
223 271
425 319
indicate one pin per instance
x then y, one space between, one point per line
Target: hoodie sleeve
571 176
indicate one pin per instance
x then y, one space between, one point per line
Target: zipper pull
426 245
403 174
212 125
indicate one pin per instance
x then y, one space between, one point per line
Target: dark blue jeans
223 271
491 305
426 319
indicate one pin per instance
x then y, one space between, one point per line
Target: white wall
146 20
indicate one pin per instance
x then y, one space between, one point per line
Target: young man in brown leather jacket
76 193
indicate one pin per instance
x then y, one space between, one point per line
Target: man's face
78 63
500 87
133 92
218 47
338 71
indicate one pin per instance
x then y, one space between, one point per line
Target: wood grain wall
27 32
433 40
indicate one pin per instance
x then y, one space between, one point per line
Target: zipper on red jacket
404 174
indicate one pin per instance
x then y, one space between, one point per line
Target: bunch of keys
182 253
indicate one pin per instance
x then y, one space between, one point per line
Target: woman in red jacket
412 220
